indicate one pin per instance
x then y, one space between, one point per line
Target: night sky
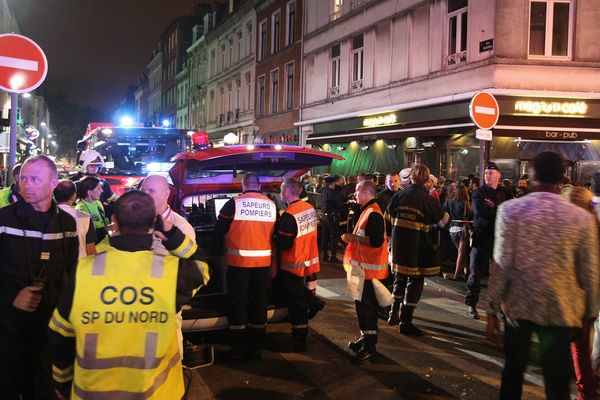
96 48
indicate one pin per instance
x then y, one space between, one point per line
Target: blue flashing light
126 121
166 123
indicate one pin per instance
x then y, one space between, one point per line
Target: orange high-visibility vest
373 260
302 259
249 238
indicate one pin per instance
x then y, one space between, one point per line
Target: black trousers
331 234
25 367
247 292
481 253
407 293
296 299
557 364
366 311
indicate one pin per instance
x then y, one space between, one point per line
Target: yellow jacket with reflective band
124 316
96 210
6 197
249 237
302 259
373 260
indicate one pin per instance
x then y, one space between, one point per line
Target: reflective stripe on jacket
302 259
249 237
373 260
124 321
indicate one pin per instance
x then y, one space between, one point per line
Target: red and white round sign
23 64
484 110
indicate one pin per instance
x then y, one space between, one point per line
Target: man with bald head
157 186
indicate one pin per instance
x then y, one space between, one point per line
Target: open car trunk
204 180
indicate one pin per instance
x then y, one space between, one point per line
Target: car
203 181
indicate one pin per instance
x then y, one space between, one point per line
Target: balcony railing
356 85
357 3
229 117
221 119
236 116
335 15
455 58
334 91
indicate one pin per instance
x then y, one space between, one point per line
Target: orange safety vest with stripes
373 260
249 239
302 259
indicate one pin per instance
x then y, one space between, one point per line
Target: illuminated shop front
442 136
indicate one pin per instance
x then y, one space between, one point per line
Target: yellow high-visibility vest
124 318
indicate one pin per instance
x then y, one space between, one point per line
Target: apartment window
457 31
275 31
290 23
357 58
229 96
240 45
213 62
274 91
212 112
262 40
231 50
336 9
335 69
249 38
550 26
248 90
222 102
238 94
222 57
260 107
289 86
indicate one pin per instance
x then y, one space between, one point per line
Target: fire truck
131 152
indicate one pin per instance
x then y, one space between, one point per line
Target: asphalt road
453 361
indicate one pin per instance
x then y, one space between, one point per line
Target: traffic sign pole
484 112
12 155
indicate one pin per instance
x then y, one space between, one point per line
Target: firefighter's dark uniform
412 219
34 246
296 240
331 205
248 223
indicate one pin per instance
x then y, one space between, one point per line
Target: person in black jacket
485 201
38 247
331 205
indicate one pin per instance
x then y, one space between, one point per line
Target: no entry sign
484 110
23 64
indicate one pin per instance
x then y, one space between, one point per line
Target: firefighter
367 250
92 164
296 238
118 310
413 217
248 222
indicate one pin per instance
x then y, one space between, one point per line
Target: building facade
155 87
230 74
183 97
278 66
197 64
174 43
388 84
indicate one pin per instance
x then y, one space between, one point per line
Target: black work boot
472 312
315 304
393 318
367 350
356 345
256 340
297 344
406 325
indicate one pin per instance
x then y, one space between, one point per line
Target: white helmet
91 157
